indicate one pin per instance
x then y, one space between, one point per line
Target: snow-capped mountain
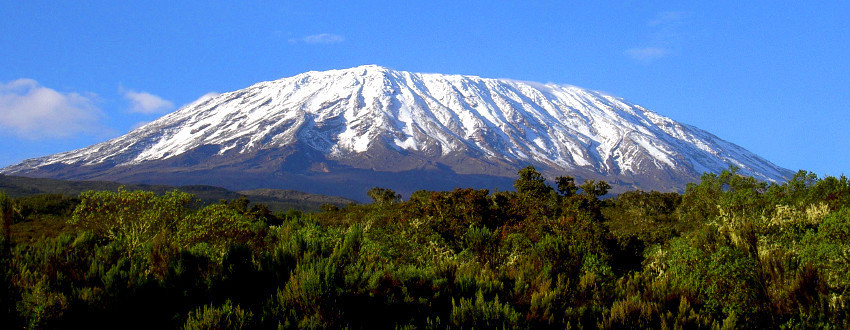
342 131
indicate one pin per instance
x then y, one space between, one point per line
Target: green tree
594 188
566 185
834 191
648 216
531 183
384 196
828 248
132 218
217 227
721 278
728 191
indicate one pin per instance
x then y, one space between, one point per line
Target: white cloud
664 38
147 103
32 111
322 38
647 54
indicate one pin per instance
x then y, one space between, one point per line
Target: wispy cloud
322 38
147 103
668 18
32 111
647 54
663 40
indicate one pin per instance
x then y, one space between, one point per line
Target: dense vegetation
275 199
729 252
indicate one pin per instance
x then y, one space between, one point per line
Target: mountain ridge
318 124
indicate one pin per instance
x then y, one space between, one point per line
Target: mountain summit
342 131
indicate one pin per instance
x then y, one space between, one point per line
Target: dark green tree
592 188
531 183
7 211
566 185
384 196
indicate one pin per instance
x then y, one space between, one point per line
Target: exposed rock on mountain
340 132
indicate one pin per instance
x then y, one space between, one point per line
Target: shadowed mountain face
341 132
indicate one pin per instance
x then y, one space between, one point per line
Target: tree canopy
730 252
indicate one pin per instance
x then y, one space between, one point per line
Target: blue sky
772 77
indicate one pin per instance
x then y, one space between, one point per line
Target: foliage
8 209
225 316
531 183
132 218
216 228
731 252
828 249
383 196
47 204
649 217
47 190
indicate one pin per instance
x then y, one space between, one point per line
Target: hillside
276 200
341 132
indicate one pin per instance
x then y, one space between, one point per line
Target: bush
132 218
226 316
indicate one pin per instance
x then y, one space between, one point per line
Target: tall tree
531 183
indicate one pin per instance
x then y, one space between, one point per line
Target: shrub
227 316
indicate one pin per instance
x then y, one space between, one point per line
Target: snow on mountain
356 116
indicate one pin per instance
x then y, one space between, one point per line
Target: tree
828 248
218 227
133 218
594 189
531 183
732 192
384 196
566 185
240 204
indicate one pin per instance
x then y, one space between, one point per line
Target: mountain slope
276 200
340 131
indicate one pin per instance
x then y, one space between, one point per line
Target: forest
729 252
